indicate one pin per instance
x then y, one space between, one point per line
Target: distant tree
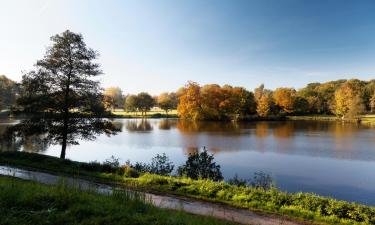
259 92
167 101
284 98
372 102
189 106
8 92
245 101
201 165
348 102
62 100
144 102
301 105
356 107
264 106
131 103
113 98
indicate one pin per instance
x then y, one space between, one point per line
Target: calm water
328 158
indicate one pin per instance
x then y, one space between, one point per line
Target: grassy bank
365 119
314 117
23 202
151 114
302 206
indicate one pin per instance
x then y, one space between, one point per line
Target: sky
159 45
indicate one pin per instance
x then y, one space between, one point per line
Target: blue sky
158 45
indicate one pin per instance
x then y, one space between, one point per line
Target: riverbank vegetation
302 206
24 202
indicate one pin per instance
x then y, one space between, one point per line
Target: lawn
152 114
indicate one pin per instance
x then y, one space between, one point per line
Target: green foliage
142 102
201 165
236 181
161 165
8 92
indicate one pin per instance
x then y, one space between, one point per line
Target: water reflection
167 124
313 138
142 125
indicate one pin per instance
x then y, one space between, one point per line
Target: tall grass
24 202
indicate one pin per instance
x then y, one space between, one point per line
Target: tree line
343 98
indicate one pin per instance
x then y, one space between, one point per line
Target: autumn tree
167 101
259 92
348 102
241 102
372 102
60 96
284 99
113 98
264 106
189 106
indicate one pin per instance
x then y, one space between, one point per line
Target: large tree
284 98
167 101
348 101
144 102
61 97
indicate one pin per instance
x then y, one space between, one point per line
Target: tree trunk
63 146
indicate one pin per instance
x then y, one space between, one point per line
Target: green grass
314 117
24 202
368 118
151 114
301 206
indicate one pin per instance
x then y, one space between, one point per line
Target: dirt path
169 202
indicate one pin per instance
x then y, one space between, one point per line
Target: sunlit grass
153 113
23 202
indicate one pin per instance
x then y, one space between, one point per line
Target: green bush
130 172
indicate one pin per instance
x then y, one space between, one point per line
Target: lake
328 158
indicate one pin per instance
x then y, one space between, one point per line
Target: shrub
237 181
131 172
262 180
161 165
201 165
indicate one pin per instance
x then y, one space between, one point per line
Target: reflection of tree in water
194 150
37 134
166 124
261 129
138 125
284 130
191 150
189 126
